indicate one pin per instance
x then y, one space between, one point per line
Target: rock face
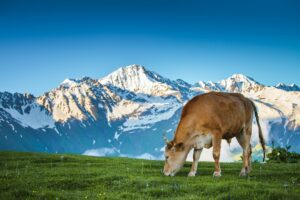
127 112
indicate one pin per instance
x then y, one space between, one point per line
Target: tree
280 154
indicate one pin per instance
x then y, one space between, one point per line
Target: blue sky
44 42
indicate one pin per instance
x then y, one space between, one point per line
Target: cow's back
226 112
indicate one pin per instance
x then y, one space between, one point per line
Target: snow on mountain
69 83
207 86
136 78
153 98
157 112
26 111
133 107
36 118
292 87
123 108
286 103
129 92
75 99
240 83
236 83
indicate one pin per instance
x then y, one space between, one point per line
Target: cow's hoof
243 174
192 174
217 174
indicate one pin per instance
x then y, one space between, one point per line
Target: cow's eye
167 157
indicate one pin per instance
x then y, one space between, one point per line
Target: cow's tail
261 137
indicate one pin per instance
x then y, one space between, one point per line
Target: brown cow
205 121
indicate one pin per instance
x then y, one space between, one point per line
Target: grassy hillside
45 176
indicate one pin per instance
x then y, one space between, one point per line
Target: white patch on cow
225 156
203 140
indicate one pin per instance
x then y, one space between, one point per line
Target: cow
207 119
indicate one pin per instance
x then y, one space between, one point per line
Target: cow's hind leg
244 141
249 159
216 141
196 156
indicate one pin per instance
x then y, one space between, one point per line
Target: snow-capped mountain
23 109
236 83
137 79
292 87
127 112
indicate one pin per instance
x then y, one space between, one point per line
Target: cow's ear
170 145
179 146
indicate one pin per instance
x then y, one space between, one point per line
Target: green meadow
64 176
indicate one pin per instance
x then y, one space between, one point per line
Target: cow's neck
183 135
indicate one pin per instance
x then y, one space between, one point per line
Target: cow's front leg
196 156
216 154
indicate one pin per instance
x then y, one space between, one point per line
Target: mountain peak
138 79
241 78
133 67
134 78
240 83
291 87
68 83
131 70
235 83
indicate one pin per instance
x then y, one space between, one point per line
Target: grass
53 176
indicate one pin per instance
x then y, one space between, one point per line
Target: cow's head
175 155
